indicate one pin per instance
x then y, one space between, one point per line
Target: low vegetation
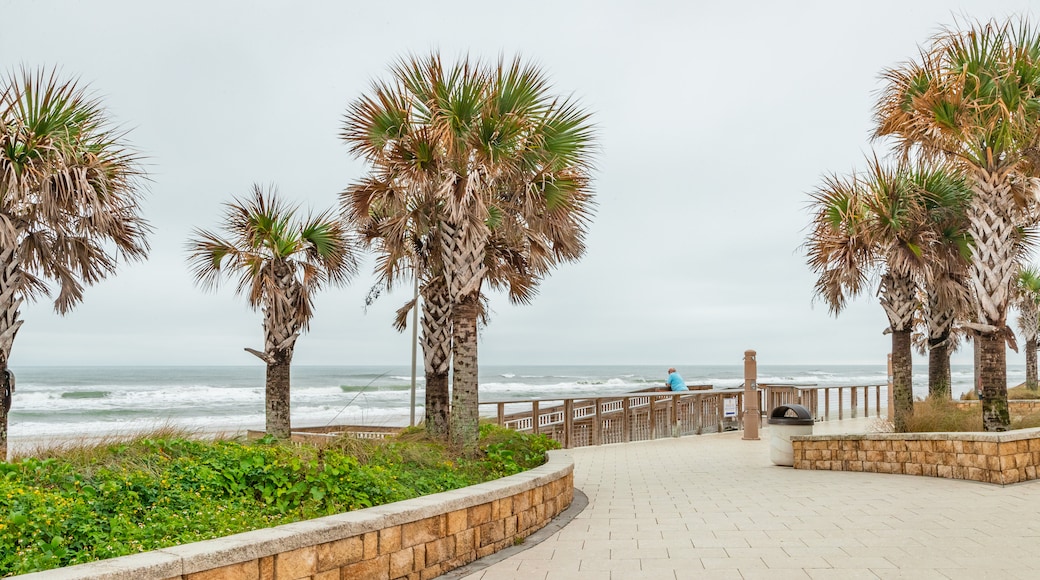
95 502
942 415
1015 393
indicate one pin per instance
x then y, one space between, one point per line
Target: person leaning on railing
675 382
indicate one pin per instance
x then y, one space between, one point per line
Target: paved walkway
714 506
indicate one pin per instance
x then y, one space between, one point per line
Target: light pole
415 344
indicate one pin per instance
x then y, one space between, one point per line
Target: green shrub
116 499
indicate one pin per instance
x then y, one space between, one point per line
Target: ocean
75 401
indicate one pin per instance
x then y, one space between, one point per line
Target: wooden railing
586 421
845 401
579 422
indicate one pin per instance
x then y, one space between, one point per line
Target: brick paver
714 506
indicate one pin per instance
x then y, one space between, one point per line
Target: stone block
536 495
990 448
389 540
370 542
511 525
491 532
992 462
425 530
479 514
521 502
976 474
914 469
902 456
930 469
1012 476
296 563
944 471
431 572
249 570
855 465
440 550
327 575
267 568
457 521
374 569
465 543
340 553
402 563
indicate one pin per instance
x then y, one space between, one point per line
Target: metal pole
415 345
752 414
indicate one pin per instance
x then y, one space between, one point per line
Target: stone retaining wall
415 539
1000 458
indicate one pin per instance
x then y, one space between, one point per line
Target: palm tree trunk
465 411
1031 382
994 266
463 250
277 395
898 298
939 375
993 375
902 379
436 343
10 301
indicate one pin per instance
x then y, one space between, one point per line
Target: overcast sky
715 121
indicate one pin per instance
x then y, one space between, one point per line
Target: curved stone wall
415 539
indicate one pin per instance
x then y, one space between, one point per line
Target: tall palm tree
971 98
1027 298
948 295
69 201
280 262
878 224
505 164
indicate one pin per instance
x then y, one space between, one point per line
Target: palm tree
502 162
971 98
1028 297
879 224
280 263
406 245
948 296
69 202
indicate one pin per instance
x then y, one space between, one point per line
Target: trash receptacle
786 421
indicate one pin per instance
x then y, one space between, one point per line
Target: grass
1019 393
937 415
107 498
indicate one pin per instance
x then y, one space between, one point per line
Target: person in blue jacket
675 382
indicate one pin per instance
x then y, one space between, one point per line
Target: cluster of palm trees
479 178
945 227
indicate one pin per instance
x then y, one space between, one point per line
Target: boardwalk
713 506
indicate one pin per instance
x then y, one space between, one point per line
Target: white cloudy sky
715 121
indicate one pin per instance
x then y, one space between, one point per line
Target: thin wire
351 401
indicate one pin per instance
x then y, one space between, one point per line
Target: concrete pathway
714 506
